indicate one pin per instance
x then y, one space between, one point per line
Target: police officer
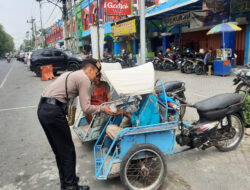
52 116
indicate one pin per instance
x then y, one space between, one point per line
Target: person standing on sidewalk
209 59
52 116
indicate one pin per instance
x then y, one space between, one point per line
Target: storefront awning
172 7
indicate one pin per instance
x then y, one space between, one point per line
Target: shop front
125 34
191 23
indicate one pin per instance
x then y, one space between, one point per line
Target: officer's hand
107 110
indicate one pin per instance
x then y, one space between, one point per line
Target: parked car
29 59
20 57
26 55
60 60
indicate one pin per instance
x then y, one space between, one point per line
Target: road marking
8 109
5 78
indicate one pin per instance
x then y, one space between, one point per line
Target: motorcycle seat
218 102
169 86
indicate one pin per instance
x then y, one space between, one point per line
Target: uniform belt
52 101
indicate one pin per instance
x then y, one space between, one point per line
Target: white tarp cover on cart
132 81
110 66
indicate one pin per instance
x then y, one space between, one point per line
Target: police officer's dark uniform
52 116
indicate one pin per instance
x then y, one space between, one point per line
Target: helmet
201 51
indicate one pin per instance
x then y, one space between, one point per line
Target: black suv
60 60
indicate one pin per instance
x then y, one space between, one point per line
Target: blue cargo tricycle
137 152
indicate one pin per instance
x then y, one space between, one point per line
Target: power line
50 15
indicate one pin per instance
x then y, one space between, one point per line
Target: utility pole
64 17
43 34
31 21
98 32
77 32
36 45
71 24
142 32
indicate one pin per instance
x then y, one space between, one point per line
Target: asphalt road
27 162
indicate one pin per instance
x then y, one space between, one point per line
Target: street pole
35 36
77 32
71 25
65 25
31 21
43 35
98 32
142 32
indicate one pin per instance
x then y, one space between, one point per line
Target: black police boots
77 187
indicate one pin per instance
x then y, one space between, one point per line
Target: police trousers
55 125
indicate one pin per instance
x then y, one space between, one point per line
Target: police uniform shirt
78 84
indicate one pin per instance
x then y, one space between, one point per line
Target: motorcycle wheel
237 128
165 67
242 87
143 168
182 69
188 68
199 70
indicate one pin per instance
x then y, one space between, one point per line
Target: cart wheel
143 168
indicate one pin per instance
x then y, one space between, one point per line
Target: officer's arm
84 97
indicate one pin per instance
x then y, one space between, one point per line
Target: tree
6 41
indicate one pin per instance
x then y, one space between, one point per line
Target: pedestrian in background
209 59
52 116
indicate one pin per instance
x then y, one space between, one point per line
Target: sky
15 13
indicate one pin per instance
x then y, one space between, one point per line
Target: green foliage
6 41
28 45
247 110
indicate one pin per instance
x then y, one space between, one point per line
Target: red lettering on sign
113 7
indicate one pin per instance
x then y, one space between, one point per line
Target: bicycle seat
218 102
169 86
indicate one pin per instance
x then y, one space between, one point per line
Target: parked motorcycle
170 61
242 81
199 67
220 124
193 64
109 59
158 61
186 66
125 59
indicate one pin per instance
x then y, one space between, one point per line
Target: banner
113 7
197 19
94 43
125 28
178 19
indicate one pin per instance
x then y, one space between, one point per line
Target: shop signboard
125 28
240 6
218 11
178 19
115 7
